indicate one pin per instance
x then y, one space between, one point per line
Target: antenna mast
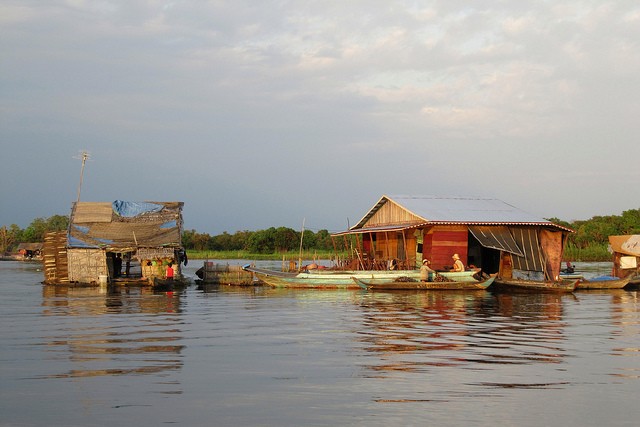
84 157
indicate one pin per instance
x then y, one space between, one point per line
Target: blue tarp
169 224
133 209
74 242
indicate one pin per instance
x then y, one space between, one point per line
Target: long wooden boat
324 278
419 285
536 285
614 283
167 285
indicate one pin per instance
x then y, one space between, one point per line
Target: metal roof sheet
458 209
463 209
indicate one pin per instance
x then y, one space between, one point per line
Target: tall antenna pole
301 236
85 156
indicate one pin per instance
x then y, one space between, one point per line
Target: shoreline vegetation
589 243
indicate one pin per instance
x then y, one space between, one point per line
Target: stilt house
626 255
104 238
485 233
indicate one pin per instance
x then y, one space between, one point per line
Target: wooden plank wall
390 213
442 242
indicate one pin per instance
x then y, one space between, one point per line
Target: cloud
261 112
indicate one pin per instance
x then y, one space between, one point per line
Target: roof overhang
400 227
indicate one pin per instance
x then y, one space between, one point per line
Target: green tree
35 231
262 241
57 223
285 239
9 238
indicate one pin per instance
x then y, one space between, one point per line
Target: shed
103 235
485 232
626 255
30 250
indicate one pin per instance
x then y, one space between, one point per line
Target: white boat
325 278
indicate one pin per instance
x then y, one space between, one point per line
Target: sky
268 113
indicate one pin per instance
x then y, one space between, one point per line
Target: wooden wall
85 265
441 242
391 213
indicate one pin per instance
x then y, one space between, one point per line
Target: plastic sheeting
133 209
496 237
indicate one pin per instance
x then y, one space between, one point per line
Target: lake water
264 357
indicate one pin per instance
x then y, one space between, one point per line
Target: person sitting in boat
170 271
570 269
457 264
426 273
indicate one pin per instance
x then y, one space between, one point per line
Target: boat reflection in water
101 346
471 335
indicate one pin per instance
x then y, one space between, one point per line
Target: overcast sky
270 113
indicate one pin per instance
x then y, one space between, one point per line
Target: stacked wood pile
54 251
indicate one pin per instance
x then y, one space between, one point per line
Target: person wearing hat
426 273
457 264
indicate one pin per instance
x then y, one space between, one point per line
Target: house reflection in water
99 344
419 332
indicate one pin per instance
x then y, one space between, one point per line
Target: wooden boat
419 285
597 283
167 285
536 285
324 278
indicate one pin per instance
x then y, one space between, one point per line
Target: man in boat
426 273
457 264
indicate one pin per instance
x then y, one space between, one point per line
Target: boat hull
417 285
536 285
603 284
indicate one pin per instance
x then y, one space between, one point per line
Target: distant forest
589 234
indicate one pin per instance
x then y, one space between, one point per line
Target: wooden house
626 256
485 233
105 238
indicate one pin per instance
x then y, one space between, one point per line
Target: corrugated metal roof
463 209
455 209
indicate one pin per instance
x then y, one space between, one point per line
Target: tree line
588 233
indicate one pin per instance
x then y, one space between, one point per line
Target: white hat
425 261
455 256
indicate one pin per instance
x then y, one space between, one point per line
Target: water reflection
145 340
625 317
428 331
74 301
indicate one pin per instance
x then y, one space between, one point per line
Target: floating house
30 250
401 231
626 256
104 239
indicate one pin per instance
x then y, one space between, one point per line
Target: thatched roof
125 225
30 246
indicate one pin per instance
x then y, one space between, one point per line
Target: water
265 357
